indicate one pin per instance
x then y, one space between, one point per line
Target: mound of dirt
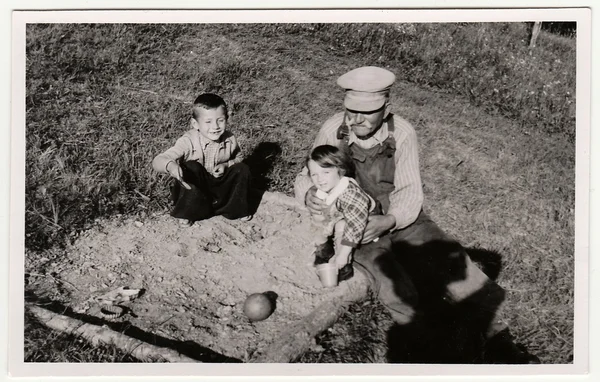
197 278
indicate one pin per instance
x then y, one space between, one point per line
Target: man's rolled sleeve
406 200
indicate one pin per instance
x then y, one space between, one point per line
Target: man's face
364 123
211 123
324 178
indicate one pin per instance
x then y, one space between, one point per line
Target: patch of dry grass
102 100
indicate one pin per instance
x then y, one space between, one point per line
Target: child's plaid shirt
354 205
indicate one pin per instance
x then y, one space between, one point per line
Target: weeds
489 63
102 100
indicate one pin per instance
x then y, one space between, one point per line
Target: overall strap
390 123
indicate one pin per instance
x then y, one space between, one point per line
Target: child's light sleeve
181 149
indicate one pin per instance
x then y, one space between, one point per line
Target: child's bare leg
347 271
338 233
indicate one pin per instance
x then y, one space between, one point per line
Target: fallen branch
101 335
299 337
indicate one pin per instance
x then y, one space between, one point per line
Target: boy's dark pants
210 196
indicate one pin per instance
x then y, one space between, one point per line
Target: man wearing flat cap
411 262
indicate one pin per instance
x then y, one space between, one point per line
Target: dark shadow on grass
443 331
261 162
188 348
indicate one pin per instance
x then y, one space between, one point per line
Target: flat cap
366 87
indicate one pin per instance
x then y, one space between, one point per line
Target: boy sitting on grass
206 165
348 207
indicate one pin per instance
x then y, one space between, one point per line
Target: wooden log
299 337
98 334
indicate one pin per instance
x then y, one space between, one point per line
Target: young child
347 211
206 165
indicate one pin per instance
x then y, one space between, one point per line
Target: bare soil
196 279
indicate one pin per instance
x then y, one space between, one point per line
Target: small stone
181 309
226 310
212 248
138 224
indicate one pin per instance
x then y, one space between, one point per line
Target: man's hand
377 225
219 170
314 204
174 170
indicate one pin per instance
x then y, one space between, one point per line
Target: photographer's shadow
444 331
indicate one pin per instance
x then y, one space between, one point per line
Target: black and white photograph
302 188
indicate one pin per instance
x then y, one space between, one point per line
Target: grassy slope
102 101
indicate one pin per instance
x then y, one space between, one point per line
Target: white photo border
584 264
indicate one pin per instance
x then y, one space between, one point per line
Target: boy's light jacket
189 147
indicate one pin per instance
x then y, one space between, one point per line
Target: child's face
324 178
211 123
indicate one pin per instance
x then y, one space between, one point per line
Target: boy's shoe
246 218
346 272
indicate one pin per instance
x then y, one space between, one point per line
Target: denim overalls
417 267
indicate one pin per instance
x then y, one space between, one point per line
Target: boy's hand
314 204
174 170
219 170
